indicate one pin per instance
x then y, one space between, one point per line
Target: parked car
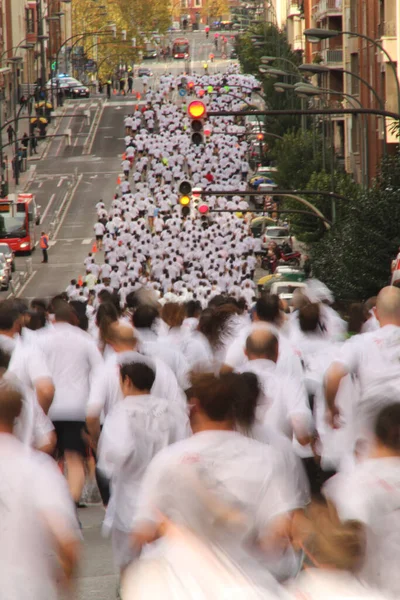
72 87
278 234
144 72
5 274
8 254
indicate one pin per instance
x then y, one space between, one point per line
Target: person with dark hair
369 495
139 426
144 319
25 360
106 315
220 484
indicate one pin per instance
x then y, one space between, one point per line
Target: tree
214 10
273 42
354 258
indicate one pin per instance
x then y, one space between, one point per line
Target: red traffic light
260 136
201 93
203 209
191 84
196 109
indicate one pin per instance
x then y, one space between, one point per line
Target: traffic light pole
309 111
296 211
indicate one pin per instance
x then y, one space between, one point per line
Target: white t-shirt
371 494
72 357
224 487
99 229
283 401
135 431
34 504
375 359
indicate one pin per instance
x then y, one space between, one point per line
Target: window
354 16
197 3
30 20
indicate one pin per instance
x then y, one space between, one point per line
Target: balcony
293 9
333 58
327 8
298 43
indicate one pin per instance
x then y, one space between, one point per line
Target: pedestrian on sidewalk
44 245
33 143
10 133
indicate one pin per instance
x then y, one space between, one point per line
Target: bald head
262 344
121 337
388 306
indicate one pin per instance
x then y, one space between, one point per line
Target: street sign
182 92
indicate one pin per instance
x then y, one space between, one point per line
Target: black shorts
99 237
70 437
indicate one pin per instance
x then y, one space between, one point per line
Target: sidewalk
26 176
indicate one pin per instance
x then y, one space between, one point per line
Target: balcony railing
326 8
294 8
332 56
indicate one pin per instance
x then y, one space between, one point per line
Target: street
68 182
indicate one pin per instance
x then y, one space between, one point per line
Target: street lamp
15 61
316 35
309 90
314 68
274 73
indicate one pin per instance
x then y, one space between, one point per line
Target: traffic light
197 112
185 190
260 137
203 209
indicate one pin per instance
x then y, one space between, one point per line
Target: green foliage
298 155
274 43
354 258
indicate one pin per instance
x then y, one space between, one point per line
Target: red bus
18 219
180 48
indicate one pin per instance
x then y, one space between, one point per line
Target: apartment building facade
32 31
359 69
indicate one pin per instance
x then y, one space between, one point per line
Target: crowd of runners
234 442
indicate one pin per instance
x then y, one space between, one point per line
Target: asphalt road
68 181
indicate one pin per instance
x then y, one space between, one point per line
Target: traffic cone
80 281
94 248
118 180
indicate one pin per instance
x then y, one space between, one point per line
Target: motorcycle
288 256
283 255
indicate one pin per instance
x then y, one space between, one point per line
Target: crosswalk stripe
87 241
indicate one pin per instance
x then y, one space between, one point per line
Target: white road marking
46 210
31 276
52 243
67 205
87 241
40 184
59 184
